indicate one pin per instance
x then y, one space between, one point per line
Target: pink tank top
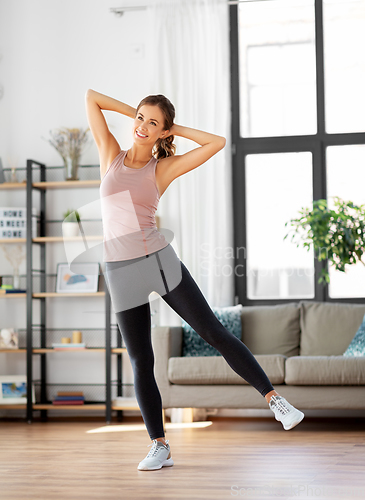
129 199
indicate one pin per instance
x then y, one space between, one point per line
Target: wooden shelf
13 240
51 185
39 406
125 407
13 350
13 185
115 350
49 349
86 406
51 294
13 407
12 295
59 294
66 184
52 239
55 239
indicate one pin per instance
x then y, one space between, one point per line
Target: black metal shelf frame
42 326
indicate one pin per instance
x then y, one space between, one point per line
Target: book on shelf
4 291
70 393
69 347
69 398
125 401
69 403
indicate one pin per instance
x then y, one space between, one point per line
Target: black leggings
187 300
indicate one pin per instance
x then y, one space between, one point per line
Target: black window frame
316 144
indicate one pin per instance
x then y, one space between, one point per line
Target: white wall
52 52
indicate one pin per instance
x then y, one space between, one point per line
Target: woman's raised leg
189 302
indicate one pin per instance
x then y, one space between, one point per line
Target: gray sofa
299 345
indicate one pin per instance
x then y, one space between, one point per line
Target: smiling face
148 125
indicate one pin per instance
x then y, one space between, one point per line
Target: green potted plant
70 225
69 142
337 235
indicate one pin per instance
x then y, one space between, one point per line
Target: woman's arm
198 136
107 144
110 104
177 165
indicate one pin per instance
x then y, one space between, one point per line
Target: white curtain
188 53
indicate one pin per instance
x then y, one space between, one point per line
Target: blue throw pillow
194 345
357 344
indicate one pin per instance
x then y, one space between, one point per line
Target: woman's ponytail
165 147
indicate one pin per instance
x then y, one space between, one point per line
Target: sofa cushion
328 328
203 370
325 370
194 345
272 329
357 345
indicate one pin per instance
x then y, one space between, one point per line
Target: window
298 130
277 68
277 184
344 64
346 179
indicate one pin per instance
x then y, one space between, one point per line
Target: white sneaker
159 456
285 412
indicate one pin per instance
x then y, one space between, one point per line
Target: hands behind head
172 131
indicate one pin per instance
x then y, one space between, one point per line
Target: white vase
70 229
16 278
71 167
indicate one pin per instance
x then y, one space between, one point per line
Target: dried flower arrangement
69 142
14 254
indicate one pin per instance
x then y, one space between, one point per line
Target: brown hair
163 147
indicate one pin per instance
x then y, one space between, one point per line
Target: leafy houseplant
69 142
70 227
337 235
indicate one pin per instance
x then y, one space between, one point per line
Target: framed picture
85 280
13 390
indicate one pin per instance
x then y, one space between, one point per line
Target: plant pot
70 229
71 166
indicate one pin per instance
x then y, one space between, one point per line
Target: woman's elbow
89 93
222 142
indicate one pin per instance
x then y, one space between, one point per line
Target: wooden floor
231 458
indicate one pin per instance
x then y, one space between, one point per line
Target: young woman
138 259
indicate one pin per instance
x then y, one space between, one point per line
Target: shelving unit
42 388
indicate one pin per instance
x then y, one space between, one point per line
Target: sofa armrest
176 338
